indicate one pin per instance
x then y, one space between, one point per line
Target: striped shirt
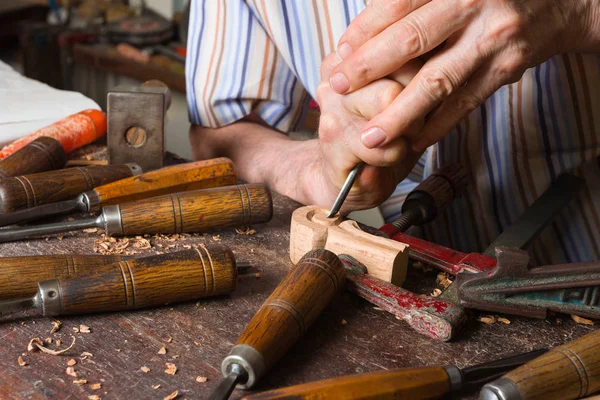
263 56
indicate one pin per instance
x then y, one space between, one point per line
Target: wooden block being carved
385 259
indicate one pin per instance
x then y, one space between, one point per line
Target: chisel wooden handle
178 178
195 211
143 282
52 186
286 314
570 371
19 276
43 154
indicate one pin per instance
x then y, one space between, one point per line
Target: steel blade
29 232
13 306
345 189
45 210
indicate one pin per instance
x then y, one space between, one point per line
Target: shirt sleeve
233 69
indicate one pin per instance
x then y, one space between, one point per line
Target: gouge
570 371
47 187
406 383
339 201
43 154
178 178
138 283
282 320
186 212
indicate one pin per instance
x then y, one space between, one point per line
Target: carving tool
186 212
281 320
570 371
43 154
178 178
137 283
337 204
47 187
405 383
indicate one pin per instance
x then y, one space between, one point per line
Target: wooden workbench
350 337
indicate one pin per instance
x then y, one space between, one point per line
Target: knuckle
329 125
327 65
389 94
437 83
397 8
408 38
469 4
467 103
362 70
508 28
322 91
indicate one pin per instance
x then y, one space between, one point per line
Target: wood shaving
172 395
96 386
21 362
90 230
175 357
216 238
170 340
84 329
58 342
80 381
163 350
201 379
71 372
76 330
111 245
48 340
581 320
197 343
198 304
55 326
145 369
171 369
443 279
86 354
436 292
155 387
37 344
94 397
487 319
503 320
245 230
344 322
71 362
141 243
118 350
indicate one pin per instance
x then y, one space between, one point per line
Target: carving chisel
43 154
178 178
186 212
337 204
137 283
281 320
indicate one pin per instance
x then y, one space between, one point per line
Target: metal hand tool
339 201
570 371
48 187
406 383
281 320
178 178
186 212
137 283
43 154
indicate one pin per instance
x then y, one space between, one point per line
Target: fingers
414 35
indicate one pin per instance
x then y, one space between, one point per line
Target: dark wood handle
43 154
444 184
150 281
178 178
196 211
294 305
49 187
19 276
570 371
409 383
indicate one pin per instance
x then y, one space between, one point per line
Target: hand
475 47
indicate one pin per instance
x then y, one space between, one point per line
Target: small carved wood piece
151 281
19 276
570 371
311 229
49 187
43 154
294 305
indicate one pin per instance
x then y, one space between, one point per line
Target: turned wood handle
409 383
178 178
294 305
48 187
195 211
19 276
43 154
443 185
570 371
147 282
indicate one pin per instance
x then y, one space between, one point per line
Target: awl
186 212
178 178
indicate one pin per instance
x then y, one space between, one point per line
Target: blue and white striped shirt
263 56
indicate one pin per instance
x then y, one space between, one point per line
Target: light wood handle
178 178
196 211
409 383
150 281
49 187
19 276
43 154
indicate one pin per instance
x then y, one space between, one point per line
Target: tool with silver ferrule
186 212
178 178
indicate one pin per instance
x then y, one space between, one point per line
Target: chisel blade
39 212
13 306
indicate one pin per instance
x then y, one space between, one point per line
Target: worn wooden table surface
350 337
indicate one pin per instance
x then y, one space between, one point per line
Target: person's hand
340 149
475 47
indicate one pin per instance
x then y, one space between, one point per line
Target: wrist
583 18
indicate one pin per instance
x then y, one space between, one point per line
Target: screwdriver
339 201
185 212
137 283
43 154
178 178
47 187
406 383
281 320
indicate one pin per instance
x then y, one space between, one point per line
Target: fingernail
339 83
373 137
344 50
